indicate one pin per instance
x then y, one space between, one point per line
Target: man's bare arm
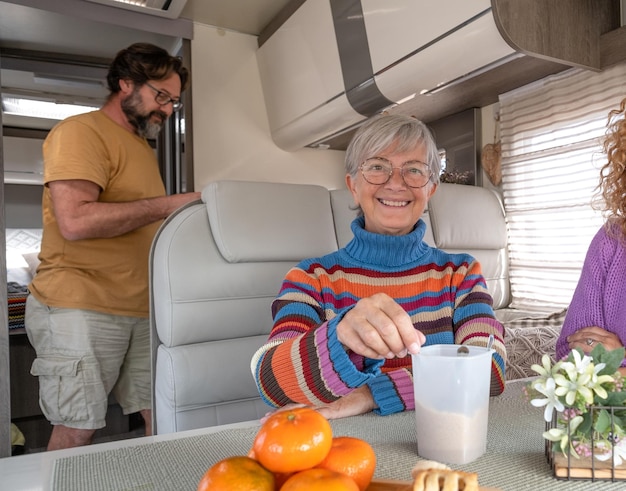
81 216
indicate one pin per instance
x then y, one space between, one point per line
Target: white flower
596 381
580 364
620 452
570 388
545 370
561 434
551 401
581 377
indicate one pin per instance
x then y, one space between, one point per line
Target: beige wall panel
231 131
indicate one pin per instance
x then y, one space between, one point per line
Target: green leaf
613 399
603 422
613 359
585 426
556 447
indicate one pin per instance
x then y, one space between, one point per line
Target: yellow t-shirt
106 275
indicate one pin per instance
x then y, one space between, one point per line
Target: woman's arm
475 321
587 306
303 361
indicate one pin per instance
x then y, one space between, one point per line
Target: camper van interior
516 93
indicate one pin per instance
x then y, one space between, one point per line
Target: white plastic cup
452 402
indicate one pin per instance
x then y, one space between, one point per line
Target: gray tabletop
515 458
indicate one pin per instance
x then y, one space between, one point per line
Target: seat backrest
342 205
216 265
471 219
215 268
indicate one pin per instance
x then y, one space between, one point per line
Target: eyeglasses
163 98
378 170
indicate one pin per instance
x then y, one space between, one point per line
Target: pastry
423 465
444 480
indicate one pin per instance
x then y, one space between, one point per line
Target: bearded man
103 201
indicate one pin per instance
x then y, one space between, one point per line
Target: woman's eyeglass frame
385 162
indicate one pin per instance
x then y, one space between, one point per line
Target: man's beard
142 123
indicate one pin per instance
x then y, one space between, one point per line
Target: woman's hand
359 401
378 327
588 337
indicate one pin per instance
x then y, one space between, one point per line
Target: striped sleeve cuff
385 395
343 365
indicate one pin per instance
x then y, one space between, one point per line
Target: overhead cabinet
332 64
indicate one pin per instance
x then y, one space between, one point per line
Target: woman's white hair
381 132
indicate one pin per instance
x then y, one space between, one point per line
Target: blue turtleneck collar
386 250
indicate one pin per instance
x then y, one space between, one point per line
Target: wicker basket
571 467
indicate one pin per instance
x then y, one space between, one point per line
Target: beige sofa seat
216 266
471 219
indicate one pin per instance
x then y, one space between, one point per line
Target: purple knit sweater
600 296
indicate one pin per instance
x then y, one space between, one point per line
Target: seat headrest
263 221
467 217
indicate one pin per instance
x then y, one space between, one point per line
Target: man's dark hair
141 62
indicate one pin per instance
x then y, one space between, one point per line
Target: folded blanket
16 300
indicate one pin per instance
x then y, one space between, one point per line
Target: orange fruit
319 480
240 473
293 440
354 457
280 478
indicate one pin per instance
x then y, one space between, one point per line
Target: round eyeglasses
378 170
163 98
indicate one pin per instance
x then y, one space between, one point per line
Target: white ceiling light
42 109
164 8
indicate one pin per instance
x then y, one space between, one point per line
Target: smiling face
392 208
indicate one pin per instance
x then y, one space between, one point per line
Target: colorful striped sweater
444 294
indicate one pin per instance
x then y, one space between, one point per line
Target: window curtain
551 135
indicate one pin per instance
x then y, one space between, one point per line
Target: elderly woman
597 312
345 324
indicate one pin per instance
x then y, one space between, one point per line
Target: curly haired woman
597 313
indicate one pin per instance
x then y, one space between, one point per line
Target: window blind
551 135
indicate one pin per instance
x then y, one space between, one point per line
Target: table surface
33 472
514 459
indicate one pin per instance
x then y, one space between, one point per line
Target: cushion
344 213
32 259
19 242
467 217
527 339
248 220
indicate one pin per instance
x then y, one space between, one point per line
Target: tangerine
354 457
280 478
292 440
318 479
238 472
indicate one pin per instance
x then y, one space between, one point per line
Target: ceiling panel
245 16
74 28
31 28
